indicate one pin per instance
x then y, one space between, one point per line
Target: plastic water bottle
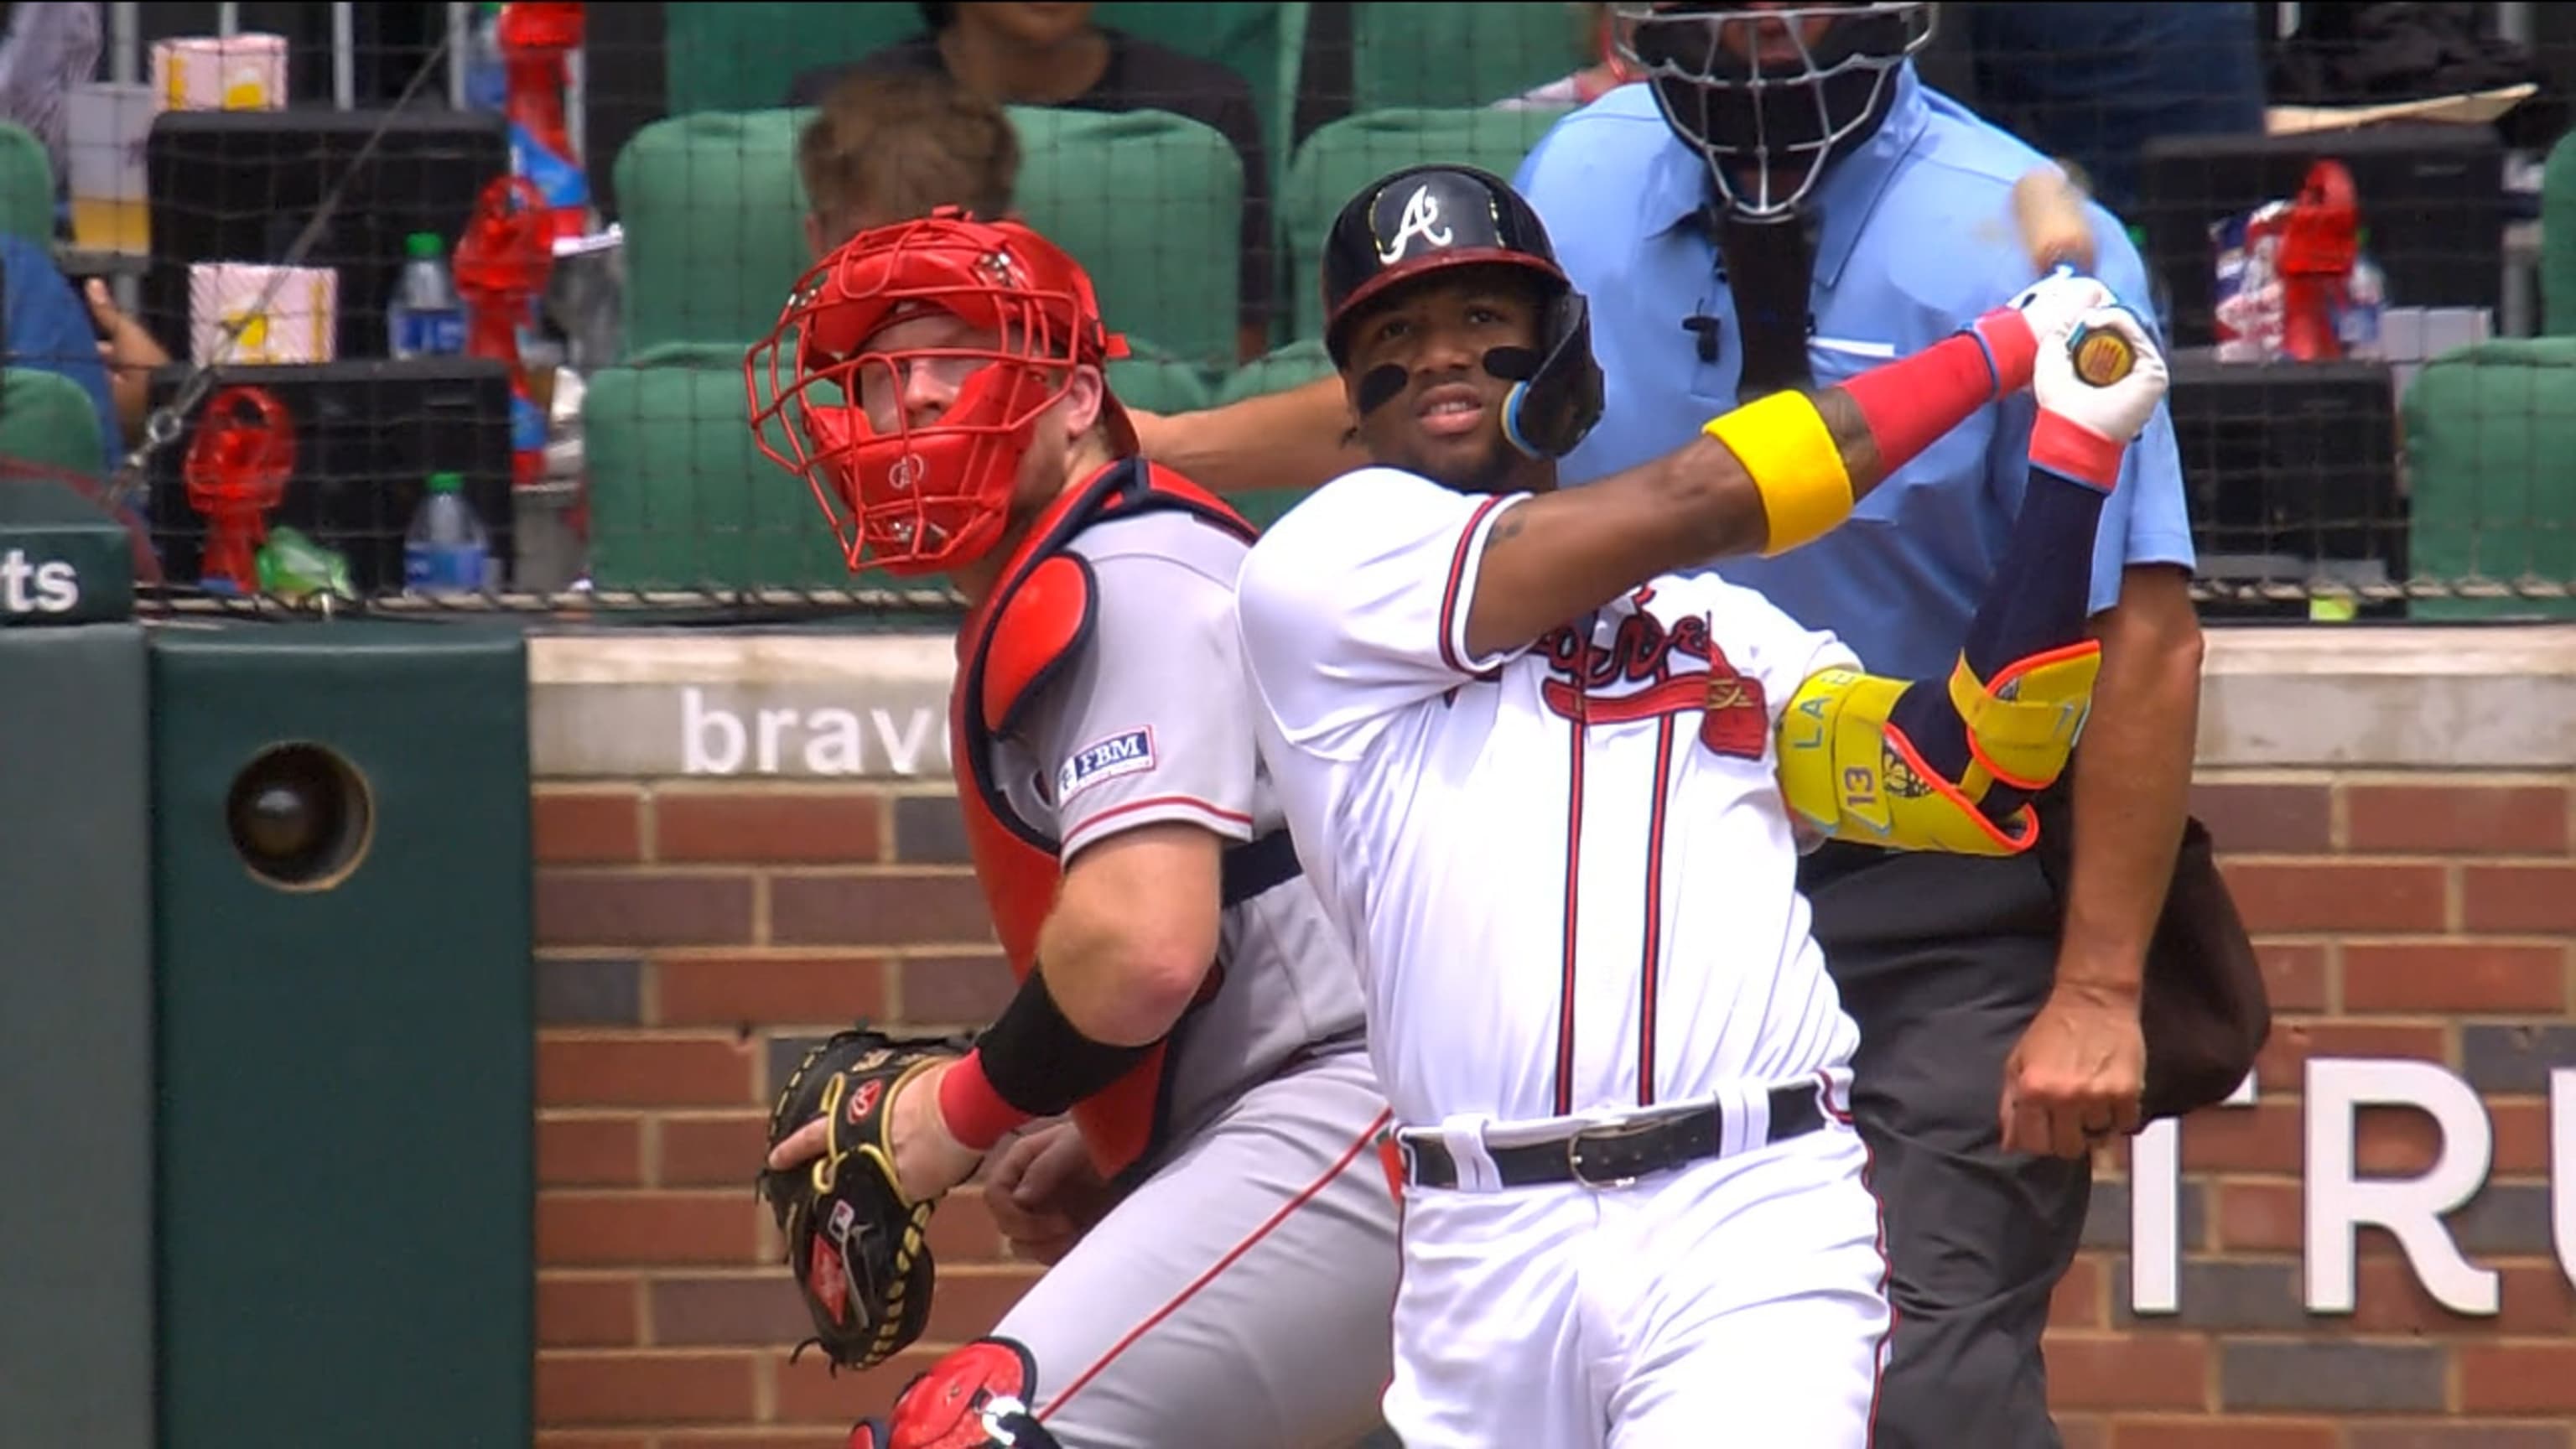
487 82
446 550
426 318
2365 298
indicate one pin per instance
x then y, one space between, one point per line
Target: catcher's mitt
858 1247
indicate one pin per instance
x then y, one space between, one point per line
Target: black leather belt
1612 1156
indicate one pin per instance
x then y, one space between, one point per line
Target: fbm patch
1131 753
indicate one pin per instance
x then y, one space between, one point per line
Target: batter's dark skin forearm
1557 556
2132 783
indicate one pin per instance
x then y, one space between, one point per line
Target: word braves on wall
2340 1203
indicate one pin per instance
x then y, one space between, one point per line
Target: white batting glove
2014 330
2084 428
2059 300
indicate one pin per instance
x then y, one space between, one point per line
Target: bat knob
2100 358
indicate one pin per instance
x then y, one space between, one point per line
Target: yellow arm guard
2022 727
1851 776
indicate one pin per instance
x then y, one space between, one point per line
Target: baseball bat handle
2101 358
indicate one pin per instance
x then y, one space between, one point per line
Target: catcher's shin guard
979 1397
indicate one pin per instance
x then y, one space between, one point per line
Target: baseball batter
1227 1237
1552 791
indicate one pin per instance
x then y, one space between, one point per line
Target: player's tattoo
1851 435
1505 528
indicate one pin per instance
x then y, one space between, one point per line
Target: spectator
1052 55
1583 87
2092 83
887 148
130 354
45 51
48 329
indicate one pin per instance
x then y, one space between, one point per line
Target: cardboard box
244 72
297 325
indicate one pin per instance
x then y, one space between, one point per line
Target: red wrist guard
1908 404
2071 450
971 1110
2011 346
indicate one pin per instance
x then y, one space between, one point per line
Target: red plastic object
236 472
535 39
2320 241
503 262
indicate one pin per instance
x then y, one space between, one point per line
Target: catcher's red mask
911 367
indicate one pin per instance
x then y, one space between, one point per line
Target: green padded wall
75 1040
347 1083
2490 430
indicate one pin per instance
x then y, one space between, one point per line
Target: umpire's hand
2077 1076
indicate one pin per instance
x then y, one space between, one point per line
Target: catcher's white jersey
1567 870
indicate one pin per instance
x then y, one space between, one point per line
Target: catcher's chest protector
1035 624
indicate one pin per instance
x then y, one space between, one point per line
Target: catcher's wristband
1790 455
1032 1062
971 1110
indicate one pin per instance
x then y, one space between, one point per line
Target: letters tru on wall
2410 1209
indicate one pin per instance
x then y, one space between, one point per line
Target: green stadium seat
1347 154
2558 239
2489 431
1278 370
740 56
26 186
681 497
49 420
1425 53
1149 202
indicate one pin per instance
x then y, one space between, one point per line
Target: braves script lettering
1635 677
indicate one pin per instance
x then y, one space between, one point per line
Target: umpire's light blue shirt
1917 240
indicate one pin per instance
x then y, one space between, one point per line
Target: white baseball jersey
1566 870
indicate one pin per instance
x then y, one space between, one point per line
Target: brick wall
693 933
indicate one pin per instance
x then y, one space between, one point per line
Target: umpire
1998 999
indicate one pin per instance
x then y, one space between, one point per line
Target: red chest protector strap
1036 623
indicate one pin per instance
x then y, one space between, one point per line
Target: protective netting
345 345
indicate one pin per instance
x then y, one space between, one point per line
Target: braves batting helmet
1422 220
917 496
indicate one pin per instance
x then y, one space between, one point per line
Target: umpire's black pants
1944 961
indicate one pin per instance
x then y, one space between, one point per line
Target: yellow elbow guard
1789 453
2024 725
1852 778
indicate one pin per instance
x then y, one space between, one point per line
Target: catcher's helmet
1426 219
920 496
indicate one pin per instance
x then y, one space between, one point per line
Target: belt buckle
1619 1133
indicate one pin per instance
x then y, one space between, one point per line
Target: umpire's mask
1771 95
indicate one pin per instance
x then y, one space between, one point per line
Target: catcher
1222 1235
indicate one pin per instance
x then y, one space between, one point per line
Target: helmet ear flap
1558 400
